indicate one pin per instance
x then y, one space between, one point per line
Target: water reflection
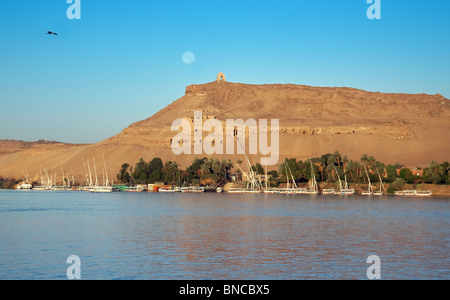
185 236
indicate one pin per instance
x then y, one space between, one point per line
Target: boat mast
107 180
265 174
368 178
242 171
313 178
339 177
90 174
345 177
287 175
63 178
85 171
381 181
95 169
252 174
292 176
40 176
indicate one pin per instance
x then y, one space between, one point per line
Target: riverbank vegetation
205 171
327 169
6 183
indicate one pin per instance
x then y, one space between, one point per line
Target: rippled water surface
221 236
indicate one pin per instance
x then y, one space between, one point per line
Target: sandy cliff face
411 129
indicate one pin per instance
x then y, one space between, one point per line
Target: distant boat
381 192
406 193
243 191
42 188
105 188
192 189
414 193
133 190
251 191
343 190
101 189
25 186
253 185
328 192
313 189
167 190
424 193
296 191
347 192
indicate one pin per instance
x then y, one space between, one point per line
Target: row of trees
8 183
328 167
201 172
437 173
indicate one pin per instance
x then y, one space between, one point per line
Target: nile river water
221 236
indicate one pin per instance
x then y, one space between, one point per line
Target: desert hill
413 129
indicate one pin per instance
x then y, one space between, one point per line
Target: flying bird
51 32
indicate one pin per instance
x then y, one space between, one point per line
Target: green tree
227 166
353 169
155 170
434 173
405 172
391 173
259 168
398 184
288 169
194 170
273 173
171 174
124 175
407 175
332 167
140 173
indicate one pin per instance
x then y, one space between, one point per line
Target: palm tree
434 173
204 169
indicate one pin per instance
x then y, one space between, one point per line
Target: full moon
188 58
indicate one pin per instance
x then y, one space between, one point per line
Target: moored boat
102 189
406 193
192 189
414 193
346 192
243 191
24 186
167 190
328 192
424 193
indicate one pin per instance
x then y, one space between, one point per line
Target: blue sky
122 62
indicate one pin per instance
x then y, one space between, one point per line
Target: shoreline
437 190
